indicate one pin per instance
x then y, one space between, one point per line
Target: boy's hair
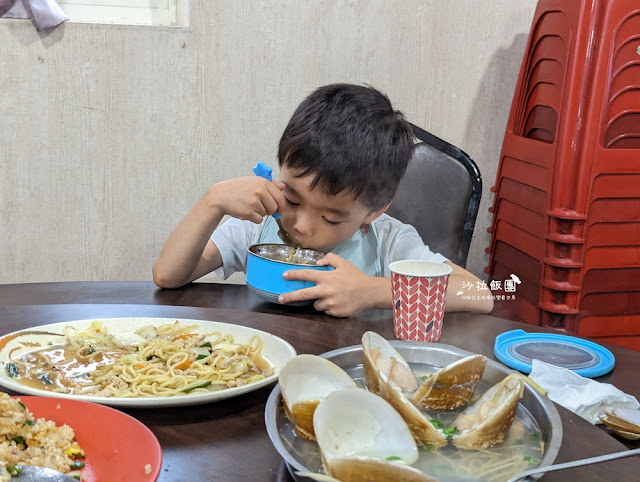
351 140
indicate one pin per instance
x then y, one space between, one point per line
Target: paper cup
419 292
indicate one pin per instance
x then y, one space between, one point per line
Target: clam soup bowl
267 262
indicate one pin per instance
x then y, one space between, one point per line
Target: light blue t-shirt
372 248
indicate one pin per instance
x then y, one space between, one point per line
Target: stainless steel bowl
306 458
267 262
287 254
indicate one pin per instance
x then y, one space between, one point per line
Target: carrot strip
183 364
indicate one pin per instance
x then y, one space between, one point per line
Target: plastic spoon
289 239
575 463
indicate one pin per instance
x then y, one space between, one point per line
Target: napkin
45 13
584 397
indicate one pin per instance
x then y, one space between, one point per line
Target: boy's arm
480 302
346 290
188 253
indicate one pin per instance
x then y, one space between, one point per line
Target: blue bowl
267 262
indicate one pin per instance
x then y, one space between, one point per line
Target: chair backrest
439 196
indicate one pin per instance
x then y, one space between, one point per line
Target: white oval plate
275 350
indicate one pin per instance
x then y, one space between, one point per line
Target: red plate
117 446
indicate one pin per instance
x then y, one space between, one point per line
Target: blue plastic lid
517 348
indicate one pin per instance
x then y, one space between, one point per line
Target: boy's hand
342 292
250 197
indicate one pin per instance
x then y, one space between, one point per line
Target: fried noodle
170 360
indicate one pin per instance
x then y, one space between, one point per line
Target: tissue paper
584 397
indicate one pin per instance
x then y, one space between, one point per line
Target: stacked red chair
566 211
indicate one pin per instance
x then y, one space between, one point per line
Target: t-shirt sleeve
232 239
400 241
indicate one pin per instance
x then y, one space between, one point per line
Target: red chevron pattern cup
419 292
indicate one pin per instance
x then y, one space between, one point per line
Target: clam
623 421
448 388
362 438
423 431
305 380
378 355
451 386
487 421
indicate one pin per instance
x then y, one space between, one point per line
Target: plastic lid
517 348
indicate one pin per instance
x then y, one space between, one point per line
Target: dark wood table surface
227 440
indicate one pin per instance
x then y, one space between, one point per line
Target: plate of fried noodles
141 362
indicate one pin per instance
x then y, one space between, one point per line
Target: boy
341 158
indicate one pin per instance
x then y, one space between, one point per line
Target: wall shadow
485 131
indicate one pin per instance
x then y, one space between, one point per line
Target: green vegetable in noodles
12 370
44 378
199 385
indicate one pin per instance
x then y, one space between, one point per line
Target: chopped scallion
436 423
19 440
449 431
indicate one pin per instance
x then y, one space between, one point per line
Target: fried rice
27 441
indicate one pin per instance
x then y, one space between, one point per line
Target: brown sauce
60 369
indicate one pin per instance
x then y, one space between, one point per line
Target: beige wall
109 134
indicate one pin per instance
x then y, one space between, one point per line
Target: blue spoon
289 239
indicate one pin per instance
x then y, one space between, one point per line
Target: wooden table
227 440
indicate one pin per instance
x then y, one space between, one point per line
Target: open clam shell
624 434
451 386
368 469
421 428
305 380
362 438
377 355
623 419
487 421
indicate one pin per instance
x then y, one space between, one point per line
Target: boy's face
318 220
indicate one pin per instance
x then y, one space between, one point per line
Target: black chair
440 196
